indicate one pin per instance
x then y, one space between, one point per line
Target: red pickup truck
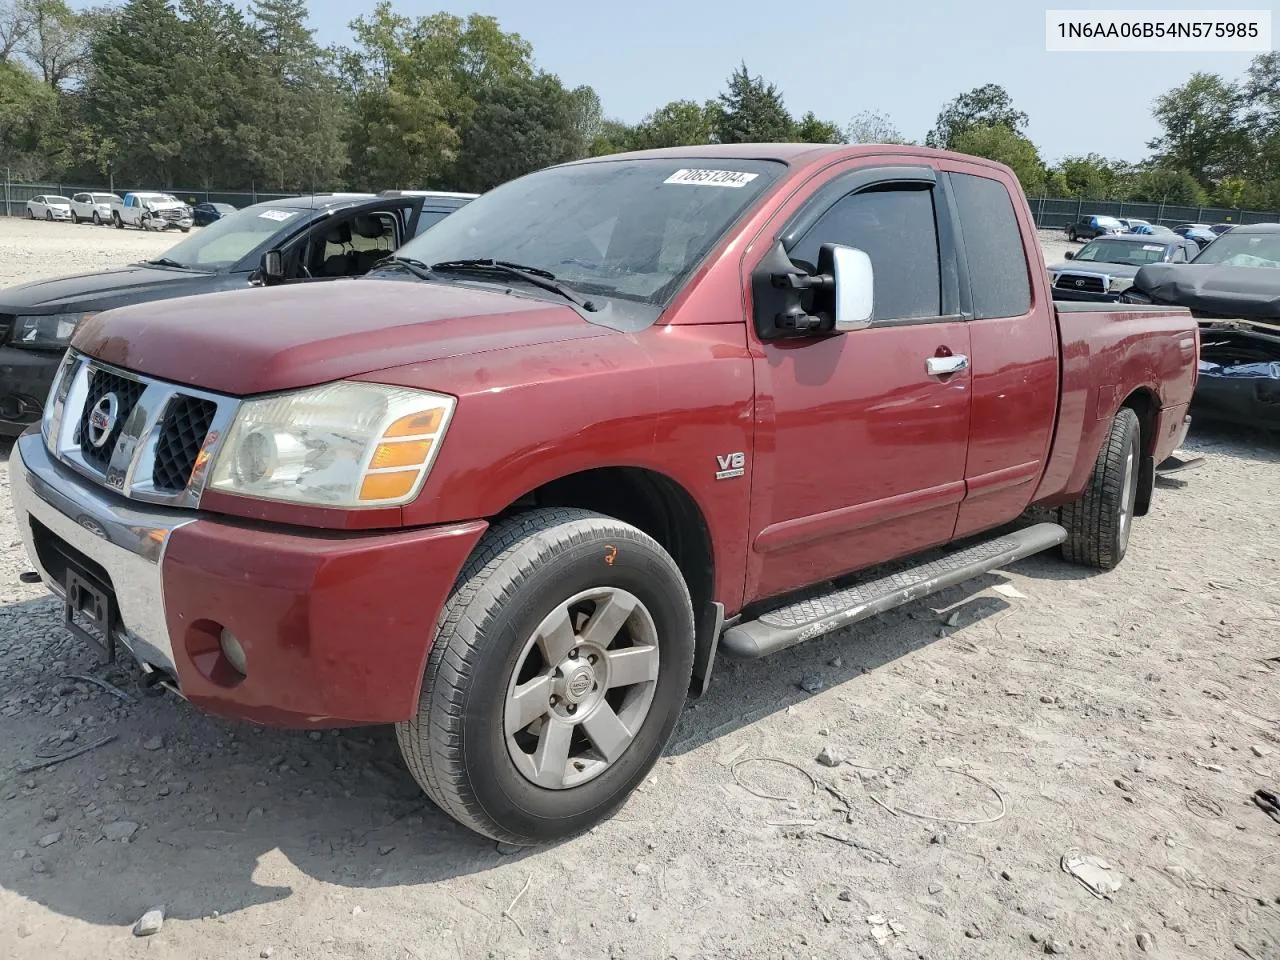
514 489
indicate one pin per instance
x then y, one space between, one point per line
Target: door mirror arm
270 270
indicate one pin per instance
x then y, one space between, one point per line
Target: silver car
48 207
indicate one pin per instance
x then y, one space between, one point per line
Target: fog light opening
232 650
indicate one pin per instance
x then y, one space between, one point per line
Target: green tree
1001 144
520 124
26 109
1202 133
985 106
56 43
1164 185
750 111
1093 177
678 123
809 129
871 126
614 137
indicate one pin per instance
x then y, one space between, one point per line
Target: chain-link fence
1053 213
13 203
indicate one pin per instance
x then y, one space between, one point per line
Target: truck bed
1106 357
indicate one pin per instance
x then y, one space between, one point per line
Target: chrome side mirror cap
855 287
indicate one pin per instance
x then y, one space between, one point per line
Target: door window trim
955 305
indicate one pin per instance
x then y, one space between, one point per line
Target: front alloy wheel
558 671
584 682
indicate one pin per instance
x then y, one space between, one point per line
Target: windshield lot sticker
277 215
1152 246
711 178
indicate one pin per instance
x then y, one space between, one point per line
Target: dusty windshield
631 229
1121 251
227 241
1243 250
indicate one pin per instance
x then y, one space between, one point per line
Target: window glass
997 262
897 230
428 219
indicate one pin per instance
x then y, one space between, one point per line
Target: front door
864 435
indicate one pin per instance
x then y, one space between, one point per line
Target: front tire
1099 523
558 672
48 215
97 220
115 218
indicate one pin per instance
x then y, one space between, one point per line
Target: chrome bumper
127 540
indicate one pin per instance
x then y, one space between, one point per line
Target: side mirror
1070 254
791 301
850 269
272 268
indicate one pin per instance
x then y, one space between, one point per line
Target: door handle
942 366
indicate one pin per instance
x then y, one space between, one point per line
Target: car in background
1153 230
1131 224
203 214
1094 225
322 237
151 211
1232 289
49 207
1104 267
1221 228
92 206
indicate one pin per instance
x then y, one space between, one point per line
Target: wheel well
649 501
1144 403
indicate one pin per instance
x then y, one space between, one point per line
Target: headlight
46 332
1120 284
344 444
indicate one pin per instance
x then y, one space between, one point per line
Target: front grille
127 392
182 433
1080 281
174 215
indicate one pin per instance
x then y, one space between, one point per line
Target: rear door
1013 343
867 430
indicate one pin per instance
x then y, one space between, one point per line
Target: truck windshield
227 241
1121 251
632 229
1243 250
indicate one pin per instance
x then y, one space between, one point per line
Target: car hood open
1212 288
257 341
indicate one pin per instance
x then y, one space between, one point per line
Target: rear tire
508 676
1099 523
1071 235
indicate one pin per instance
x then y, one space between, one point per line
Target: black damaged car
322 237
1233 289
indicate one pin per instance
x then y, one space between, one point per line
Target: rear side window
897 230
993 243
428 219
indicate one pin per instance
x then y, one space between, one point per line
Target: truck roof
1257 228
792 154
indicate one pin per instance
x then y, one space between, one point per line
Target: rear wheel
1099 523
558 671
1071 234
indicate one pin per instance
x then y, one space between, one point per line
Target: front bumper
335 627
25 379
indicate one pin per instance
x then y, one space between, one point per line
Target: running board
798 622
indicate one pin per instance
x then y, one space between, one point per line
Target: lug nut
592 659
573 654
571 708
554 700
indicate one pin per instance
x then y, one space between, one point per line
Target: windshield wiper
534 276
167 262
416 267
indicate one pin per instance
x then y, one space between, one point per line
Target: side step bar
790 625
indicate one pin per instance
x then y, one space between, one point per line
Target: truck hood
1226 291
255 341
104 290
1094 266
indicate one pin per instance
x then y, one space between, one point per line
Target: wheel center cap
579 682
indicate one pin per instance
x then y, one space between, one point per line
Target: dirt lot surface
1126 716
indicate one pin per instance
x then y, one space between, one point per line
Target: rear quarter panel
1108 356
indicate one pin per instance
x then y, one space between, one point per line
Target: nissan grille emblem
102 419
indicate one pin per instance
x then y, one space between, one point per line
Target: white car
92 206
48 207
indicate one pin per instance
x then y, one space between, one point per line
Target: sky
839 57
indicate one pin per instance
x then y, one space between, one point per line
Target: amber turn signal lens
388 486
416 424
407 453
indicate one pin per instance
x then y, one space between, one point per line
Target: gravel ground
1128 716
